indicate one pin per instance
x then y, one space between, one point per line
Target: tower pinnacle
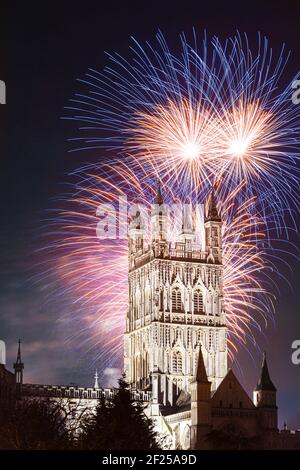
159 219
264 397
212 213
265 383
96 385
201 375
19 366
158 198
19 352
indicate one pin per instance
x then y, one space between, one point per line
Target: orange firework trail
180 138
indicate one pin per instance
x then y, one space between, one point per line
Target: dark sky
44 49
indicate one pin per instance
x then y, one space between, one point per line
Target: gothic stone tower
175 305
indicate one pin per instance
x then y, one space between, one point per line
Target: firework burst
197 114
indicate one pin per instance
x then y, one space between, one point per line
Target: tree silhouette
119 423
35 424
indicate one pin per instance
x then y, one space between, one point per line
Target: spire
212 213
19 366
158 198
201 375
265 383
96 380
19 359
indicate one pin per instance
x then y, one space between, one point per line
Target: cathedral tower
175 305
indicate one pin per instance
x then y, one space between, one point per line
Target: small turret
158 198
264 397
187 234
159 222
136 234
201 375
265 383
212 212
96 385
213 231
19 366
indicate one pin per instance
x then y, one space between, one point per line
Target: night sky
44 49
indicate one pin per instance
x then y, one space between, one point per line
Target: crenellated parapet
75 392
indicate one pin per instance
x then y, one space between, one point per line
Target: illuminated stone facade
175 305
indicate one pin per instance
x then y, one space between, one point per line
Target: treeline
118 423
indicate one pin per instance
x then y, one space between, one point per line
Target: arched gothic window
177 363
198 301
176 300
